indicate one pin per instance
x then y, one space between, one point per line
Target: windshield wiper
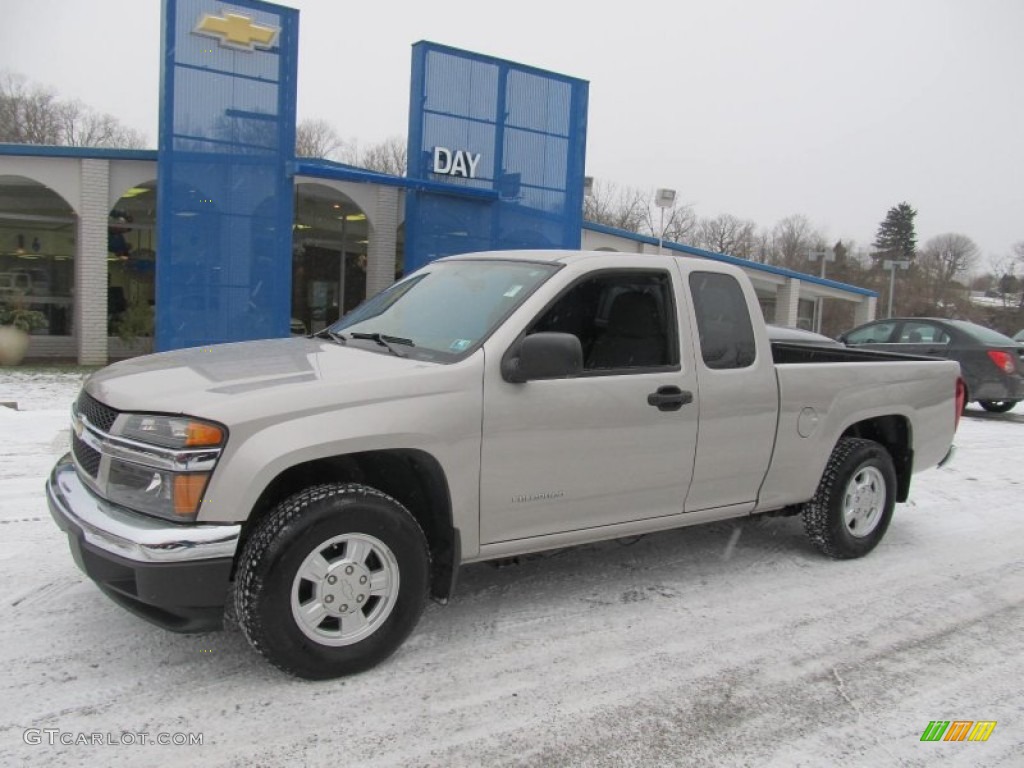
327 333
385 341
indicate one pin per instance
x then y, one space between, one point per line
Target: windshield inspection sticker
460 345
511 292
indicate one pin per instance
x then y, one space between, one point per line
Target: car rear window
983 334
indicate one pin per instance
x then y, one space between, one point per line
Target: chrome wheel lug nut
348 570
328 598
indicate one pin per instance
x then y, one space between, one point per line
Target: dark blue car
992 365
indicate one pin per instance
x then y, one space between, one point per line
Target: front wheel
997 406
332 581
853 505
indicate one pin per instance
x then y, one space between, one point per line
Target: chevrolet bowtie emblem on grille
233 30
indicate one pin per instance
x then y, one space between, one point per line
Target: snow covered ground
723 645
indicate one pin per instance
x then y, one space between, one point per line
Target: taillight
961 398
1003 360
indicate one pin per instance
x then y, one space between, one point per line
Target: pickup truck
487 406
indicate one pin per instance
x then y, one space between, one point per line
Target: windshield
443 311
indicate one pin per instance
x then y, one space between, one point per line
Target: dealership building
222 234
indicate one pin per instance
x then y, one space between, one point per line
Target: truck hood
215 381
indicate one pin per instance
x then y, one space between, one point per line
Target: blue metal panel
528 127
225 197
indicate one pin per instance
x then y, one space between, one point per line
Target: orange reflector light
200 434
188 492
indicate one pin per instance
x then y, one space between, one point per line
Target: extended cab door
612 445
738 390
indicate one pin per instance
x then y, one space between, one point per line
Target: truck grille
99 415
88 458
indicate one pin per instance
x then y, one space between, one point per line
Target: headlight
161 465
170 431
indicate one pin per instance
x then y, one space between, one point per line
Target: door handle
669 398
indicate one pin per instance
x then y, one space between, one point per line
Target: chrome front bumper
174 575
128 534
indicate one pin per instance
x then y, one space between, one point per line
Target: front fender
445 425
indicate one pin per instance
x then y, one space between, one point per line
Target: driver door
569 454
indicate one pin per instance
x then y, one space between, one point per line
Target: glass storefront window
37 250
131 263
329 246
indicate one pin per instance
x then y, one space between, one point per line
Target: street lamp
892 265
663 198
825 256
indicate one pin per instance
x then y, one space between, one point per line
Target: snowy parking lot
730 644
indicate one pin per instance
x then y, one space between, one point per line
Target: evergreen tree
896 233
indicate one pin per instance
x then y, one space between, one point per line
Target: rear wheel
853 505
997 406
332 581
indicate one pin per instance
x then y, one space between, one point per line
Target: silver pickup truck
486 406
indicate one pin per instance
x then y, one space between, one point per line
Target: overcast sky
758 108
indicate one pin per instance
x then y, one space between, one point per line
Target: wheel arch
412 477
894 433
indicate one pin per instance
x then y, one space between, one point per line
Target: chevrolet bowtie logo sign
236 31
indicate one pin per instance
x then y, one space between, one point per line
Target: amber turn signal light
199 434
188 492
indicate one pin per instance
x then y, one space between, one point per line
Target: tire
853 505
997 406
332 581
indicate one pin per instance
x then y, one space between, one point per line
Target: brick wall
383 237
91 263
787 303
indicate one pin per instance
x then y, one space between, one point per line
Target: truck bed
787 352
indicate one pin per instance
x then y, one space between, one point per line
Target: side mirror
543 356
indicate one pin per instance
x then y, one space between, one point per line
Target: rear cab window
723 321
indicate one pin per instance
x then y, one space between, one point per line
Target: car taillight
1003 360
961 398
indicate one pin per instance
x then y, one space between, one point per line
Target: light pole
892 265
819 303
663 198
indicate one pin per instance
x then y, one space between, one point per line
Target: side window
914 332
723 322
879 333
623 319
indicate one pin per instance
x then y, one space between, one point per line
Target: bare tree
389 156
315 137
1002 280
680 222
29 114
1018 252
794 236
625 208
764 247
84 127
32 114
943 259
728 234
